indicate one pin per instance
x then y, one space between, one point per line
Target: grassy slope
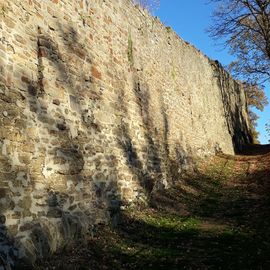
216 219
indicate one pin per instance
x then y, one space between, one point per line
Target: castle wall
100 104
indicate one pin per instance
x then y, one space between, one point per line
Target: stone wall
100 104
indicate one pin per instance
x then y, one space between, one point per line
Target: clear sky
189 19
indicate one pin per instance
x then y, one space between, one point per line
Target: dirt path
216 219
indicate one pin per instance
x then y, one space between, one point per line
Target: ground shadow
254 150
225 225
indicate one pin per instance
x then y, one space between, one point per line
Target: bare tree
150 5
244 26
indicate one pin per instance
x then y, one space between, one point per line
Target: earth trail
217 218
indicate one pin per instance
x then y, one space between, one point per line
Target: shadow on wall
48 214
156 168
148 169
64 185
236 121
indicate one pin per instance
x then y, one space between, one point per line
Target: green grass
224 226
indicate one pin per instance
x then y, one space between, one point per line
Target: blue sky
189 19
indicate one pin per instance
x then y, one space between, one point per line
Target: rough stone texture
99 104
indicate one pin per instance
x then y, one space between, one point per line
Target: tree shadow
156 169
161 247
224 227
208 196
71 201
138 167
165 241
67 211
